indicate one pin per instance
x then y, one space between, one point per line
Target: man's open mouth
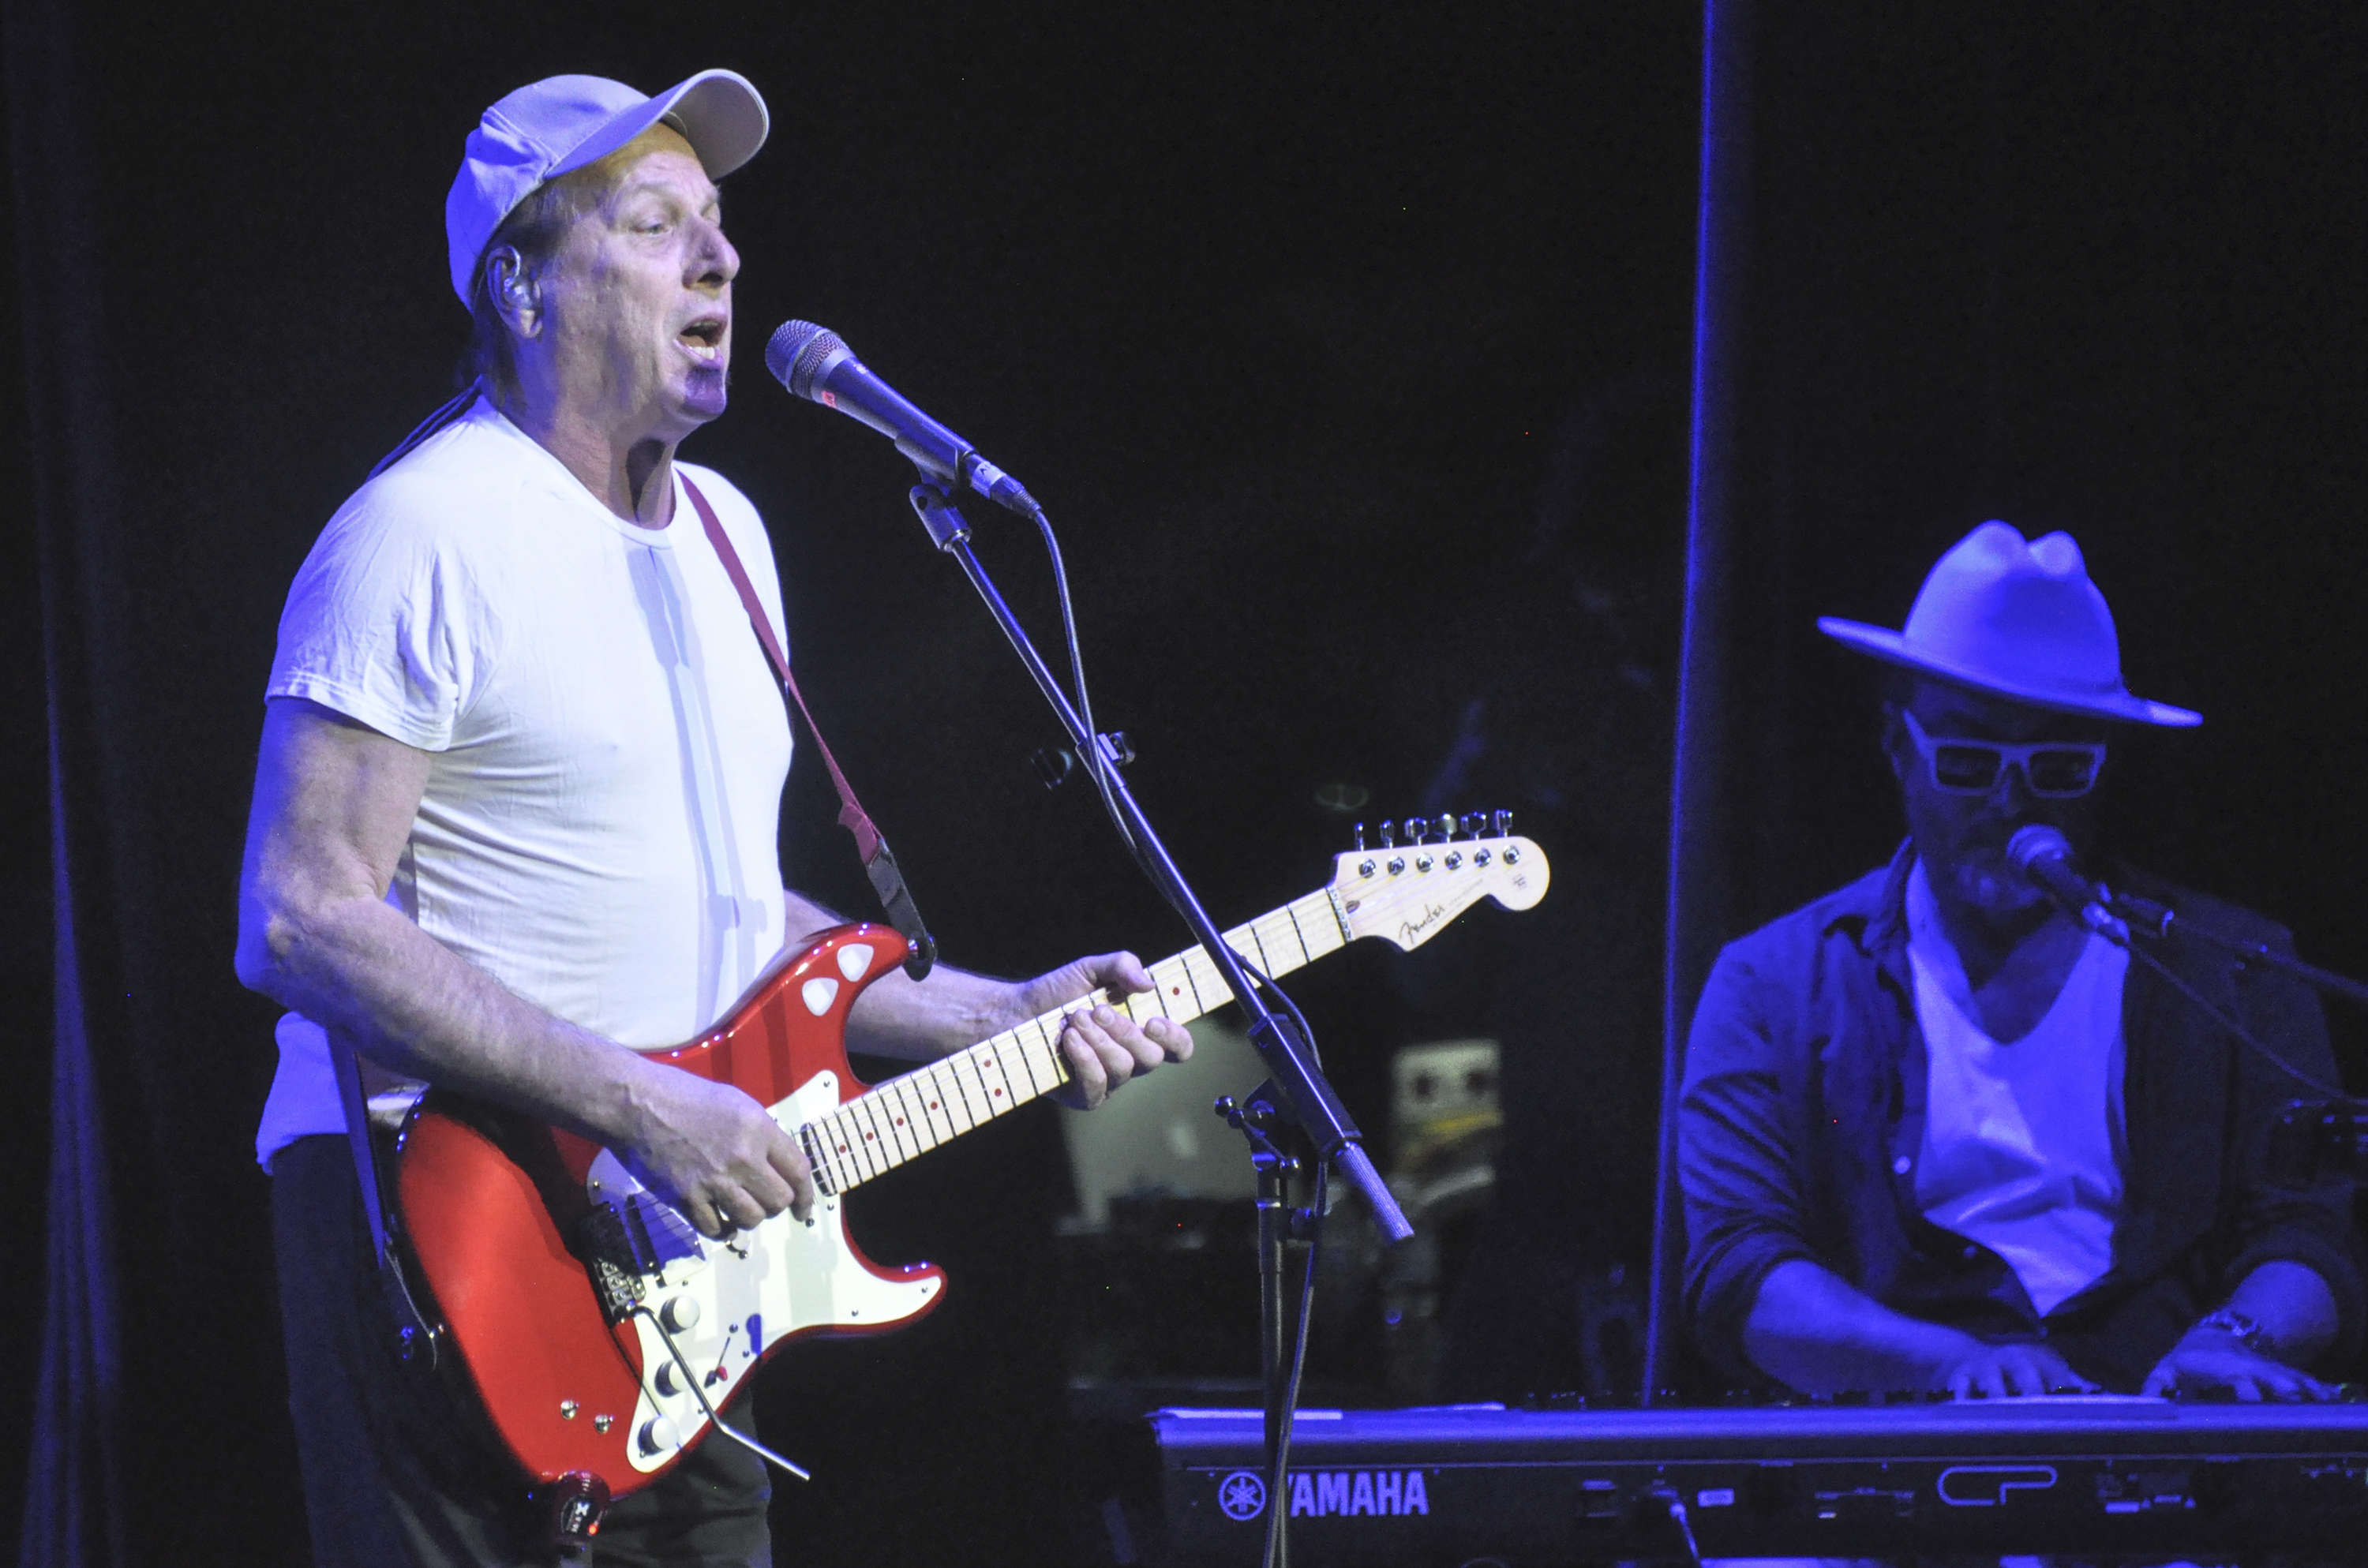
703 337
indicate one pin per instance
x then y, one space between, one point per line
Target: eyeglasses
2059 770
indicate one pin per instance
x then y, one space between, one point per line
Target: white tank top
2023 1140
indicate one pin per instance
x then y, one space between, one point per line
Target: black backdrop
1351 349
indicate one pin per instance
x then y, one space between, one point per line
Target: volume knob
657 1435
680 1315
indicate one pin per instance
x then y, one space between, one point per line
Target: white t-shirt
2023 1140
608 745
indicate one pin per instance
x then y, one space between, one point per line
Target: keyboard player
1936 1134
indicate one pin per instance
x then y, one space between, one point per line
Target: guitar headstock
1407 893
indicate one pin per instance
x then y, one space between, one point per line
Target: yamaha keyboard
2085 1474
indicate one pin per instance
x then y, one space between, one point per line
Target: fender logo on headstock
1410 931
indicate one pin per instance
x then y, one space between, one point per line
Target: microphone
813 362
2042 857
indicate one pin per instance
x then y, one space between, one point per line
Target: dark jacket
1803 1114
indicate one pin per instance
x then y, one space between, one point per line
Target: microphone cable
1097 762
1278 1486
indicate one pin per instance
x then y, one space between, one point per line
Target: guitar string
1041 1058
885 1149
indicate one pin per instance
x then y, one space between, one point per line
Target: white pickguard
760 1286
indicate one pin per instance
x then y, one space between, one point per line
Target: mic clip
2098 915
2142 915
1055 764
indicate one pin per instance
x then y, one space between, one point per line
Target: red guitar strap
879 861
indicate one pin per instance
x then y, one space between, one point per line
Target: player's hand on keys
2210 1361
2002 1372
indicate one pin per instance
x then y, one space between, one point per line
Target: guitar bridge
611 1258
620 1293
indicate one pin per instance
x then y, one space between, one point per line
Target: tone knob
669 1379
657 1435
680 1315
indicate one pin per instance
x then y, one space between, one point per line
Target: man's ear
518 300
1896 747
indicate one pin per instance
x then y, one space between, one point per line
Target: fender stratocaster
598 1330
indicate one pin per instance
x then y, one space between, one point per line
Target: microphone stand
1304 1108
2310 1137
2160 920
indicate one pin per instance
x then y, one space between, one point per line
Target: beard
1981 879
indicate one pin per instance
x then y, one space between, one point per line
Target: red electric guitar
598 1331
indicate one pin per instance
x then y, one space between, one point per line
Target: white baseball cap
565 123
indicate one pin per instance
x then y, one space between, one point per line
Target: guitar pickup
811 1146
659 1236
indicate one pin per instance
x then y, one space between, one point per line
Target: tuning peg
1473 822
1446 826
1417 829
1361 837
1389 833
1500 824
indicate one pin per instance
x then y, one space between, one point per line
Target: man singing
515 814
1936 1134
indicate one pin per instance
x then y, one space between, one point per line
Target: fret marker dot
998 1094
900 1121
868 1137
933 1105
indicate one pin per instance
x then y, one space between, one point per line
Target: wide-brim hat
562 123
2019 619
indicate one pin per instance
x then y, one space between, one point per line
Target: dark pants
395 1476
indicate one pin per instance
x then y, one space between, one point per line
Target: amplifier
1482 1484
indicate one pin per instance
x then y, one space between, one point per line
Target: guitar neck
906 1117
